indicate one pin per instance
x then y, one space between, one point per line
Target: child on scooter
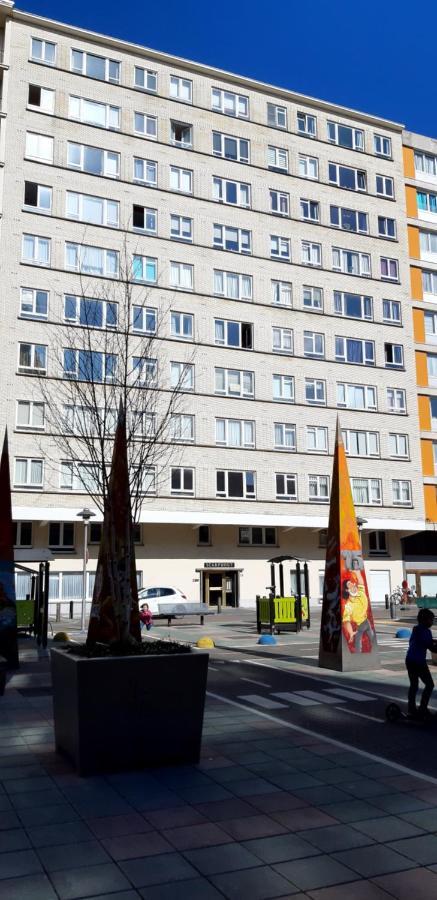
421 640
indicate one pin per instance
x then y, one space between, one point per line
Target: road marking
261 701
259 683
350 695
295 698
353 712
212 668
317 695
321 737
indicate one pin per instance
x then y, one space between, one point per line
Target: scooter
394 713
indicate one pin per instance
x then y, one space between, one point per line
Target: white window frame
145 313
221 237
35 350
283 388
144 262
186 142
152 182
309 210
74 372
316 439
112 114
311 254
389 306
317 481
42 190
373 487
395 442
30 406
182 376
225 326
180 175
359 175
342 355
282 340
370 440
236 382
107 170
310 341
396 350
289 484
28 296
182 326
40 141
306 124
378 145
366 305
312 385
220 192
282 293
150 219
108 219
185 473
242 154
276 116
398 402
181 228
284 436
357 213
312 298
384 227
404 485
280 247
277 158
37 243
279 203
306 163
47 99
144 371
44 47
181 88
384 186
82 70
108 271
145 86
357 135
369 395
108 307
181 276
247 493
149 127
182 428
344 260
28 483
392 265
244 283
229 103
71 479
429 284
246 428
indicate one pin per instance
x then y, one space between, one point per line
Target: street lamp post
85 514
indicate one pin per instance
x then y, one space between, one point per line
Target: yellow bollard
205 643
61 637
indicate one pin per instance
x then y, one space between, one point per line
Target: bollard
386 601
392 609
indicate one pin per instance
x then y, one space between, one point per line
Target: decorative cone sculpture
347 631
8 610
114 615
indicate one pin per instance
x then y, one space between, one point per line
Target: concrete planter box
120 713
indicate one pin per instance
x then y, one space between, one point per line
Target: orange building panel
413 242
416 283
428 467
411 201
424 413
430 493
421 369
409 168
419 328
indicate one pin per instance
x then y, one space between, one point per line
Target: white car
155 595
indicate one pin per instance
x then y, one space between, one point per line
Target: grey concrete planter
119 713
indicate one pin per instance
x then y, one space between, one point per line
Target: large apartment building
271 229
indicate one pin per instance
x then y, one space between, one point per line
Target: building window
286 486
145 125
306 124
348 178
182 376
353 306
367 491
229 103
285 436
317 439
42 51
349 219
182 276
32 359
431 362
396 400
401 491
356 396
30 414
315 392
236 485
385 186
39 147
428 245
234 382
181 135
433 412
144 268
378 543
37 197
429 283
92 113
91 260
394 356
345 136
398 446
308 167
145 171
144 371
257 537
281 293
318 488
145 79
181 88
232 285
431 327
425 163
182 481
311 253
204 535
90 312
144 219
355 351
387 227
233 334
95 66
182 326
312 298
382 145
309 210
61 534
282 340
34 304
36 250
90 365
350 262
283 388
95 210
277 158
280 203
235 433
276 115
237 240
82 477
28 472
230 147
236 193
389 269
22 534
93 160
182 428
181 228
41 98
280 248
144 319
391 311
181 180
361 443
314 344
323 537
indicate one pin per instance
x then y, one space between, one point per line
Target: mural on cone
8 610
114 614
347 627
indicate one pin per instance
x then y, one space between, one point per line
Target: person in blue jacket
421 640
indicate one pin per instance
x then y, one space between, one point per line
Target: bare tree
108 348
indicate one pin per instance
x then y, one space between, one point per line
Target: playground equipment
279 613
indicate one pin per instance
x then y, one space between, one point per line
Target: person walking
421 640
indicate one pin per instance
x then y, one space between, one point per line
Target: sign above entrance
219 565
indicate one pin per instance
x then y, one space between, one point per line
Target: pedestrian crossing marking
295 698
317 695
264 702
350 695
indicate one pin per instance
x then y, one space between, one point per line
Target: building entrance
220 589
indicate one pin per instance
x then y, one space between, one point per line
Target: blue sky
367 55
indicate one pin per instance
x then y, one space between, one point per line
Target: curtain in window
54 586
92 261
234 433
422 200
432 367
36 471
71 588
22 585
360 489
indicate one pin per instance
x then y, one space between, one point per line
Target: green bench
282 614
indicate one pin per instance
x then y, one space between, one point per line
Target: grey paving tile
9 819
88 881
189 837
252 827
170 867
400 803
26 785
5 803
321 872
28 799
353 812
323 794
29 887
277 801
225 858
224 809
300 819
120 895
291 781
48 815
65 833
281 848
424 818
230 773
174 818
69 856
258 884
421 884
388 828
131 846
375 860
422 850
336 837
251 787
19 862
366 788
15 839
190 795
335 775
194 889
360 890
115 826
